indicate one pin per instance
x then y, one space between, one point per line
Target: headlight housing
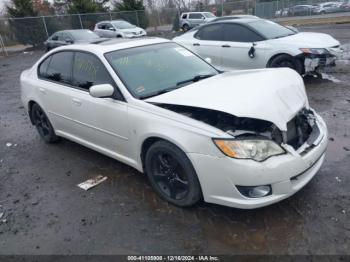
255 149
315 51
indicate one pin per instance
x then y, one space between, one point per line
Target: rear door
56 40
195 19
208 43
55 91
103 30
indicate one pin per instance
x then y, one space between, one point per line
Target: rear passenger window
211 32
59 69
88 70
195 16
43 67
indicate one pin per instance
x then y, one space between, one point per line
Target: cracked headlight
255 149
315 51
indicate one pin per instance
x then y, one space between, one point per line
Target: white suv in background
193 19
119 29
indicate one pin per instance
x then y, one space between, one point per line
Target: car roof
228 17
114 44
195 12
109 21
243 20
74 30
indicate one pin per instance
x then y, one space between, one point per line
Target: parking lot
46 213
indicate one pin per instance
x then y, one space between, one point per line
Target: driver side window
239 33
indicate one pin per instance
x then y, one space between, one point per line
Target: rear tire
287 61
185 27
172 175
43 124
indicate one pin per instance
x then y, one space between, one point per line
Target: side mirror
101 91
69 41
208 60
111 29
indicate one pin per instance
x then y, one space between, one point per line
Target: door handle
42 90
196 44
225 46
76 102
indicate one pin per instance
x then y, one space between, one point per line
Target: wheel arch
30 106
149 141
276 55
298 57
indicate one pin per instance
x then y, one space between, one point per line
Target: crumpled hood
274 95
309 40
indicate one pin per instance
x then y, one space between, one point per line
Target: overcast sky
2 5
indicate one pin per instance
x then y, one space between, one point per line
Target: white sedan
118 29
258 43
243 139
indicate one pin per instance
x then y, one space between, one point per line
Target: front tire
287 61
172 175
43 124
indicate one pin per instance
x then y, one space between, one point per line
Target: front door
103 122
242 48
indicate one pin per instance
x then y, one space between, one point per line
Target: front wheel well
30 106
146 145
299 59
274 56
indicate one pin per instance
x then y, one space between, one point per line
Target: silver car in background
193 19
118 29
326 8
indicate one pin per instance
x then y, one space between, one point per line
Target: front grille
300 128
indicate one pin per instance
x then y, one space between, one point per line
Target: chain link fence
33 31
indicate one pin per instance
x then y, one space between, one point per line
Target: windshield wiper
178 85
159 92
194 79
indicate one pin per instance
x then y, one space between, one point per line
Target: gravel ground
46 213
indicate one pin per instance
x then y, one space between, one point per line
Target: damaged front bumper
221 177
318 62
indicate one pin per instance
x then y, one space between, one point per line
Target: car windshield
84 35
154 69
270 29
208 15
123 25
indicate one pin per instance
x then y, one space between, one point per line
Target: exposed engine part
235 126
300 128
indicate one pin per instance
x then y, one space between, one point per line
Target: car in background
260 43
68 37
192 19
328 7
243 139
345 6
118 29
231 17
300 10
282 12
